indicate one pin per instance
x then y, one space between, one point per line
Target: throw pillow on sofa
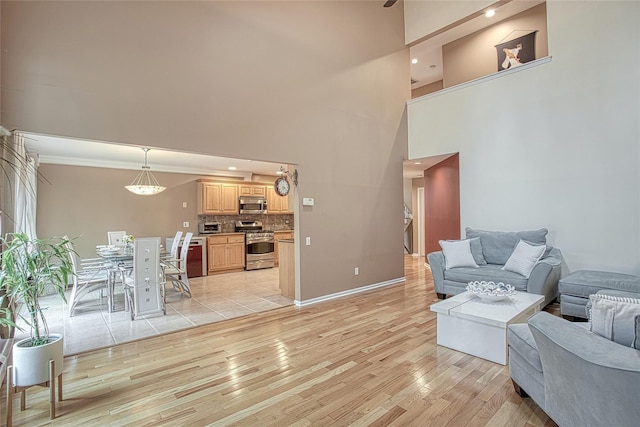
615 318
524 258
457 253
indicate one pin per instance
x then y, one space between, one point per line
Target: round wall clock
282 186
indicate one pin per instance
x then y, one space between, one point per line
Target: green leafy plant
29 266
10 159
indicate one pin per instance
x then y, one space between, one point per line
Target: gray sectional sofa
491 250
576 376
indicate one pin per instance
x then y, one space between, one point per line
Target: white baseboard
348 292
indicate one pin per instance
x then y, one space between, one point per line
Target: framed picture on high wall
516 52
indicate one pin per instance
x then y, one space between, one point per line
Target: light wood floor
369 359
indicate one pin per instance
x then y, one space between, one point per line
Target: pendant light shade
145 183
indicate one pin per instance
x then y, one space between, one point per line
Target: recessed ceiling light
232 168
417 163
414 61
489 13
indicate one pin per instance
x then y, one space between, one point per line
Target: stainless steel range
259 244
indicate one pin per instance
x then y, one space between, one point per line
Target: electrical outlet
308 241
184 204
185 224
356 271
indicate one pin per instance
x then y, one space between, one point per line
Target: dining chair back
176 270
116 237
173 254
144 288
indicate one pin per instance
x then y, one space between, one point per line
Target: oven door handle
249 242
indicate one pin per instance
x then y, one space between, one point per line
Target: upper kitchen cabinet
276 203
252 190
217 198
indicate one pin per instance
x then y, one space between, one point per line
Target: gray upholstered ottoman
577 286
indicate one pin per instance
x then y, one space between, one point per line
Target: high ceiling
428 69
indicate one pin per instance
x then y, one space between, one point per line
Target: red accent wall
442 203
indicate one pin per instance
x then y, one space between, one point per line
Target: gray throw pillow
476 251
497 246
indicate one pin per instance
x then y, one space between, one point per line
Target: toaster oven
209 227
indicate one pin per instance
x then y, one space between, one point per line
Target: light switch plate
185 224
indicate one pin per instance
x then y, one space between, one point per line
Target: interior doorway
435 185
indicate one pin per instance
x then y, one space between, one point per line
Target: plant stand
12 390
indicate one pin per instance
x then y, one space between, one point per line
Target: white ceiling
429 52
68 151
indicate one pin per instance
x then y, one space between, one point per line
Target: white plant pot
31 364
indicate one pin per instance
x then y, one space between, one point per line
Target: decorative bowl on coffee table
491 291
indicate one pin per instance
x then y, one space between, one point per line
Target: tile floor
215 298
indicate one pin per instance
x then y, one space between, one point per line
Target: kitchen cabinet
225 252
252 190
287 276
217 198
277 236
276 203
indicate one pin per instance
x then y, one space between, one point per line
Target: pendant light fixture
145 183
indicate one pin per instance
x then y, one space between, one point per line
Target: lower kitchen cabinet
226 252
277 236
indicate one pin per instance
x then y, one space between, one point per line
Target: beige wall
85 203
319 84
475 55
427 89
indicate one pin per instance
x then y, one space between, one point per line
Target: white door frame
420 220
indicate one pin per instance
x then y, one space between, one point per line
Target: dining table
119 261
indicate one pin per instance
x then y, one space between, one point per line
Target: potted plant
29 266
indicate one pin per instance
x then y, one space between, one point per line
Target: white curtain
25 189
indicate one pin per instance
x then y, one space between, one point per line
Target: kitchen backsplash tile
269 222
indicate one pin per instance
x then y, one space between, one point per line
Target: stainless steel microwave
252 205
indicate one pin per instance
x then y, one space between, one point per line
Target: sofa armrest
588 380
436 262
544 277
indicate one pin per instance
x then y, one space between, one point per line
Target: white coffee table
478 327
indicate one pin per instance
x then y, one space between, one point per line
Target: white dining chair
144 289
176 270
88 275
173 253
116 237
